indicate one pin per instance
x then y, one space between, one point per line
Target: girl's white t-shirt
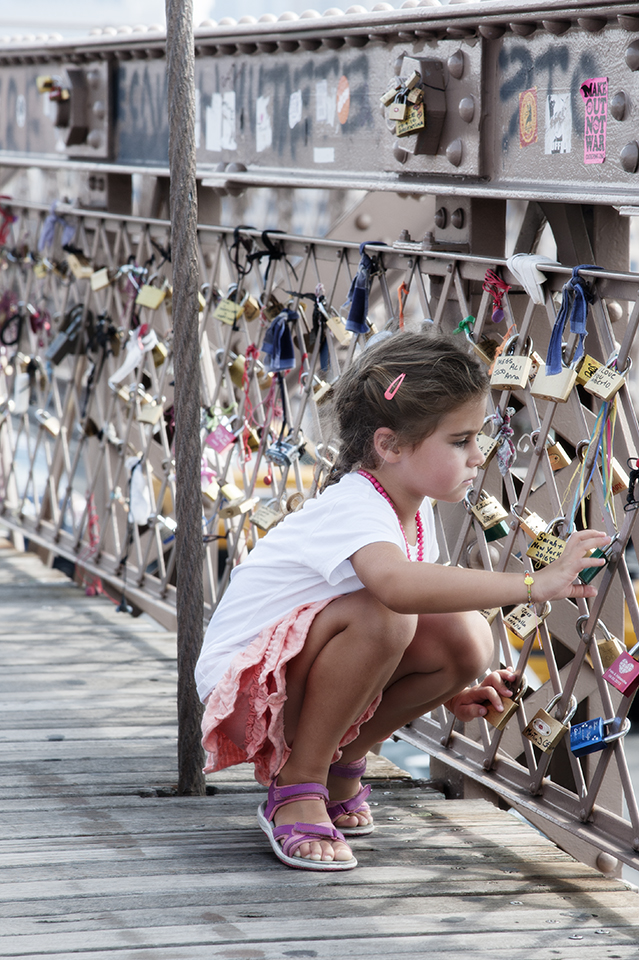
305 558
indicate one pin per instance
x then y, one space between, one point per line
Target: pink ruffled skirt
244 716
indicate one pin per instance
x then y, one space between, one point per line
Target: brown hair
439 377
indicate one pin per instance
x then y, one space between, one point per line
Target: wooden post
180 58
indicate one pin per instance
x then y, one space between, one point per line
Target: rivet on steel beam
458 218
456 65
400 154
379 7
247 19
628 22
629 156
492 31
207 23
267 18
355 9
557 27
618 105
615 310
309 15
288 46
460 33
406 36
357 40
228 22
333 12
247 47
95 139
455 152
310 44
441 218
467 109
632 55
591 24
228 48
523 28
264 46
333 42
606 863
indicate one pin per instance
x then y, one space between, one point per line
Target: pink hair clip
392 389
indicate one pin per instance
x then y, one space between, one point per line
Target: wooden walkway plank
99 859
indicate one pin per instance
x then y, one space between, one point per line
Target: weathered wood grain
99 859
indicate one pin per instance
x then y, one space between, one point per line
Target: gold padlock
414 120
80 266
605 383
557 456
545 731
50 423
238 507
531 523
150 413
555 387
610 648
212 490
100 279
266 517
587 367
546 547
620 479
251 307
416 95
488 510
159 353
398 110
523 620
512 372
490 613
488 447
413 80
150 297
510 704
485 349
338 328
227 311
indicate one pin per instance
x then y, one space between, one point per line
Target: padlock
151 297
220 438
537 361
211 490
283 453
415 96
587 367
50 423
485 349
531 523
620 479
80 266
523 620
398 108
488 446
100 279
591 736
338 328
159 353
228 311
490 613
295 502
320 389
610 648
150 413
387 98
251 307
510 704
555 387
589 573
605 383
557 456
414 120
413 80
547 546
488 510
238 507
545 731
623 674
511 372
266 516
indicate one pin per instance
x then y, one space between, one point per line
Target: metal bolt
629 156
456 64
441 218
458 218
618 105
467 109
632 55
455 152
400 154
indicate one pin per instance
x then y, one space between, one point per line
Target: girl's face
444 465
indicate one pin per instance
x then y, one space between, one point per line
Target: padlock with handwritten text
547 546
587 368
607 381
512 372
593 735
267 515
545 731
523 620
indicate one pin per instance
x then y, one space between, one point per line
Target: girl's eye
462 443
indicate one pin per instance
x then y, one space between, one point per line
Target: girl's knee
392 632
471 644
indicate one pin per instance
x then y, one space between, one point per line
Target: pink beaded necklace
418 519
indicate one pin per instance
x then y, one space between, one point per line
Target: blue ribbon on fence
278 342
576 296
48 229
358 293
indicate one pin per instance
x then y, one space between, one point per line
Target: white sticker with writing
558 123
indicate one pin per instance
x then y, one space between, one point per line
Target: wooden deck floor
99 860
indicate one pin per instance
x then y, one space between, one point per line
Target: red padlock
623 674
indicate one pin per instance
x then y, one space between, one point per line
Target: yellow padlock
587 367
523 620
555 387
547 732
149 296
510 704
605 383
512 372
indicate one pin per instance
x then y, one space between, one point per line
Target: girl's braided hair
439 377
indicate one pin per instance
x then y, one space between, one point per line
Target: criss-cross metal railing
87 468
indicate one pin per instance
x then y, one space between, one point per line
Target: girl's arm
407 587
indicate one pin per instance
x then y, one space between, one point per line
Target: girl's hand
471 702
557 580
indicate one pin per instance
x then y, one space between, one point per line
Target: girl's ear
386 446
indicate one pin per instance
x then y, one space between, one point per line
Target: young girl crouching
340 627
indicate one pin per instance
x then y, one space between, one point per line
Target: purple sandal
287 838
356 804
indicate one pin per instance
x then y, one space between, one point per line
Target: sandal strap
349 771
356 804
280 796
292 836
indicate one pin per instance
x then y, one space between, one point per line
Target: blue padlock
589 737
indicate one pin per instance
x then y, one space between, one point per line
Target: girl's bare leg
355 648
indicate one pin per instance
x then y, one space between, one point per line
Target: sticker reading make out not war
595 95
